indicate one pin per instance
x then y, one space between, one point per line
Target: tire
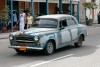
49 48
79 42
19 51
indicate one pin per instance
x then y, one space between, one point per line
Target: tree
5 16
90 6
5 12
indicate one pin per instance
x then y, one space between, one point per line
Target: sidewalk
94 25
4 35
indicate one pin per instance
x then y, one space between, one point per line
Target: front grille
24 38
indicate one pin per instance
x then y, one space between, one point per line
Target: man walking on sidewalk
22 20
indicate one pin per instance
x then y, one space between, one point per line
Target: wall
82 12
52 8
2 4
36 7
96 11
21 5
65 8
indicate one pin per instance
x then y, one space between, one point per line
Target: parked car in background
49 32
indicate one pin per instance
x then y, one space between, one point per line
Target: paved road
86 56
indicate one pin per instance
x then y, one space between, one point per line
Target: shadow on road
77 52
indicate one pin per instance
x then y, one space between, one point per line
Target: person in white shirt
22 20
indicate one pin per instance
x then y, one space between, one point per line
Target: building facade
96 11
2 4
40 6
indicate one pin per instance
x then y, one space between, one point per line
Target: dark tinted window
63 23
71 21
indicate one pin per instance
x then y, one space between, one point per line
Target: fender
46 38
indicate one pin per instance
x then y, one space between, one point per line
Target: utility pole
32 7
71 5
11 12
60 6
47 7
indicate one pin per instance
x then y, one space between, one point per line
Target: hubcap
50 48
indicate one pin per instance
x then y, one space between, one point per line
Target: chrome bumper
33 48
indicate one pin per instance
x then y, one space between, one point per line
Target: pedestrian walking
14 18
26 12
99 17
22 20
29 20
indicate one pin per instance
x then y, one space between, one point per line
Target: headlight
11 37
36 38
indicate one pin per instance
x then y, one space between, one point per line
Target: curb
4 37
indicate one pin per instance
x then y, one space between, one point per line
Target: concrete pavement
4 35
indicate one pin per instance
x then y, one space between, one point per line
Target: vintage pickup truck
49 32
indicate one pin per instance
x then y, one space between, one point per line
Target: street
86 56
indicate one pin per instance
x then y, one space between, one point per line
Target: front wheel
49 48
79 42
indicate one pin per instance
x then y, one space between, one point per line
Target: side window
71 21
63 23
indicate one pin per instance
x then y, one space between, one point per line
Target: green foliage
5 13
90 5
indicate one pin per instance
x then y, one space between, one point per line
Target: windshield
45 23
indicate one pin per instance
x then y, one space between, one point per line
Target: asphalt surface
86 56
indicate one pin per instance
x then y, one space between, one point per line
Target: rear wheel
79 42
49 48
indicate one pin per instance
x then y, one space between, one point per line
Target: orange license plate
23 48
